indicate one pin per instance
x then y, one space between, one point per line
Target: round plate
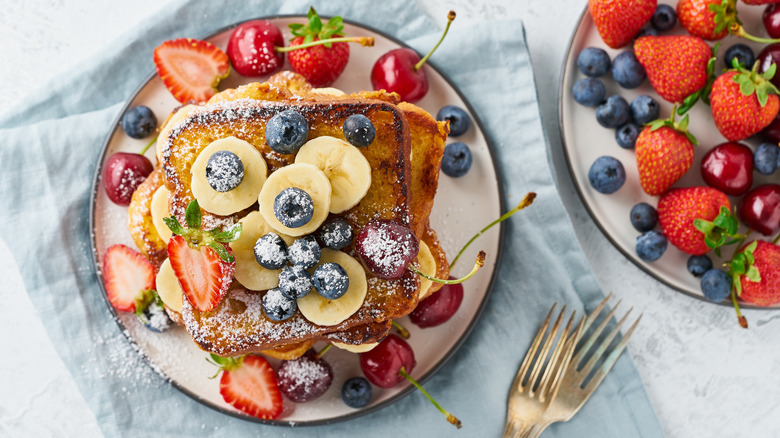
584 140
463 206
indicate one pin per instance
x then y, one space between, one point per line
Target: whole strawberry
677 66
664 152
618 21
698 18
696 219
744 102
756 273
759 2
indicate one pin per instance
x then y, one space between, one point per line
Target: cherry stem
323 351
363 41
148 145
403 332
528 199
738 30
451 418
450 17
477 266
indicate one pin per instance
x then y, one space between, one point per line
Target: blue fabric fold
51 145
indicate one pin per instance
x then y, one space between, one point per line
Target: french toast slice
140 222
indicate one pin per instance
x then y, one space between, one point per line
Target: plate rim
358 413
569 166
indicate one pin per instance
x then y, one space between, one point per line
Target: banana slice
248 272
325 312
362 348
306 177
168 287
241 197
159 209
345 166
428 267
328 91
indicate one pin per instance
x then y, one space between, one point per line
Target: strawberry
664 152
201 260
698 18
320 64
249 384
741 102
677 66
127 275
696 219
191 69
756 273
618 21
760 2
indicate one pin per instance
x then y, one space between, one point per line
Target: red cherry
305 378
729 168
438 308
251 48
760 209
387 247
395 72
770 55
122 174
771 19
771 133
382 364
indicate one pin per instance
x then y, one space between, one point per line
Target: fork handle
537 430
515 430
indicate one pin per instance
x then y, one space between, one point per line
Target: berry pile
679 63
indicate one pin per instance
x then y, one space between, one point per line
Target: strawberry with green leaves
755 272
714 19
744 102
128 277
664 152
618 21
697 219
202 260
677 66
249 384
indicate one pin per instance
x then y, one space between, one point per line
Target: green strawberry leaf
746 87
689 102
762 95
174 225
192 215
720 231
753 275
657 124
229 235
142 301
223 254
770 73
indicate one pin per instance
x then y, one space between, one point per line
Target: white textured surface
705 376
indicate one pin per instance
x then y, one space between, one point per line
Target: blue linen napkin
51 144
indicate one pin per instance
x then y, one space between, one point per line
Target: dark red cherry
760 209
771 133
770 55
305 378
729 168
122 174
251 48
771 19
438 308
382 364
387 247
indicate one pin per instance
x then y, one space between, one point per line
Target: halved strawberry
190 68
203 275
126 275
249 384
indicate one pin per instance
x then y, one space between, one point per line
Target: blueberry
271 251
335 233
650 246
358 130
458 117
645 109
305 252
286 132
331 280
626 135
295 282
627 71
277 306
593 62
743 53
456 161
613 113
589 91
607 175
293 207
224 171
644 216
698 265
664 18
139 122
766 158
716 285
155 318
646 31
356 392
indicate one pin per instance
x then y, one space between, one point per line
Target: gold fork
574 390
536 383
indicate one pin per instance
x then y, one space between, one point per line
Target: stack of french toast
399 184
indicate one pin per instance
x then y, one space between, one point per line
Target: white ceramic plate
463 206
585 140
